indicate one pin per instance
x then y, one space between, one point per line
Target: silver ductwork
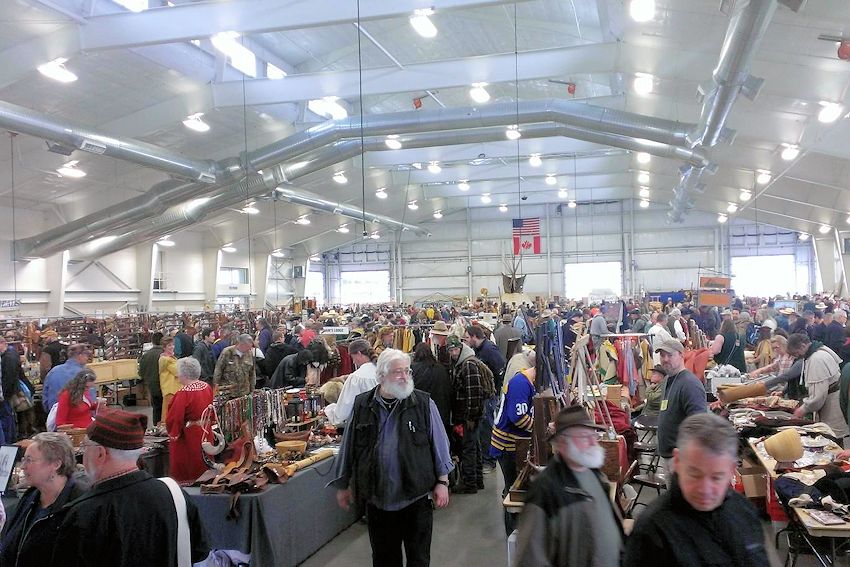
74 137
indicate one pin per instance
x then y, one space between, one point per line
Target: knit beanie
118 429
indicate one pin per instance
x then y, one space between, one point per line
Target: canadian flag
526 235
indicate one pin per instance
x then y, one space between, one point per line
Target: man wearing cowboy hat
439 334
568 518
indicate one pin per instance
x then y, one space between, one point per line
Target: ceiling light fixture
513 133
193 122
745 195
823 229
250 209
340 177
562 193
803 236
643 158
535 161
732 208
642 10
763 177
278 253
829 112
644 192
434 167
423 24
721 218
485 198
381 193
572 204
393 142
644 203
438 214
643 178
166 241
551 179
412 205
229 248
343 229
790 152
56 70
375 236
70 169
304 221
503 208
463 185
478 93
643 83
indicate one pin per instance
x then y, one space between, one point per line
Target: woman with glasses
78 400
48 465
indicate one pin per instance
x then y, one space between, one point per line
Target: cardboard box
753 478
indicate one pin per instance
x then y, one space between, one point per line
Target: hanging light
56 70
375 235
193 122
166 241
463 185
485 198
572 204
721 218
503 208
643 83
278 253
434 167
829 112
562 193
644 203
642 10
70 169
644 192
643 158
763 177
340 177
535 161
823 229
250 209
803 236
229 248
478 93
422 23
513 133
438 214
381 193
643 178
732 208
343 229
412 205
790 152
304 221
745 195
393 142
551 179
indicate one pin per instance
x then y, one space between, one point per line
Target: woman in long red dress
183 421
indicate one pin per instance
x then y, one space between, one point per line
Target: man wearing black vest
395 461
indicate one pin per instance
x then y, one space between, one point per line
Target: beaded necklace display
260 409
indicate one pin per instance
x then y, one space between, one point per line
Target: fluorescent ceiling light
644 203
423 24
303 221
535 161
513 133
732 208
70 169
340 177
251 210
643 158
823 229
803 236
133 5
478 93
229 248
242 58
274 72
745 195
343 228
327 107
562 193
644 192
434 167
56 70
830 112
485 198
438 214
194 122
643 178
381 193
393 142
375 236
412 205
463 185
166 241
643 83
551 179
503 208
790 152
763 177
571 204
642 10
721 218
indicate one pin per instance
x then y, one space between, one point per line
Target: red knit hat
118 429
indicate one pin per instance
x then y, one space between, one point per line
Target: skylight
242 58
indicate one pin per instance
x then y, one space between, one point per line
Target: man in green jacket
149 373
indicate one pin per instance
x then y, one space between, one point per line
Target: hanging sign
9 304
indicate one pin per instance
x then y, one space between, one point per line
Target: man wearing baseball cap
128 517
684 395
568 518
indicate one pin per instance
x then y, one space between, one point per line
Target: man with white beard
395 461
568 519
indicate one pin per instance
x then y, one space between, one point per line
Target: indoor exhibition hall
465 283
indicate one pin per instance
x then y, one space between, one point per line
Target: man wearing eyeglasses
568 518
394 461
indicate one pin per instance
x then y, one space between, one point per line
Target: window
757 275
365 287
314 286
595 280
233 276
274 72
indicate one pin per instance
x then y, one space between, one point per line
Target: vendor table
282 525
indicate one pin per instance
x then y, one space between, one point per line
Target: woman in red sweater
76 404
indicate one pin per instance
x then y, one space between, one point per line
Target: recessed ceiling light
763 177
562 193
478 93
513 133
643 178
278 253
721 218
393 142
438 214
571 204
412 205
434 167
166 241
70 169
803 236
343 228
823 229
463 185
732 208
503 208
56 70
643 83
644 203
340 177
643 158
250 210
193 122
642 10
551 179
422 23
790 152
535 161
644 192
485 198
303 221
229 248
745 195
381 193
830 112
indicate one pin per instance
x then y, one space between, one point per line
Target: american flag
526 236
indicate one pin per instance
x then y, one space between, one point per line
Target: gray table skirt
282 525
